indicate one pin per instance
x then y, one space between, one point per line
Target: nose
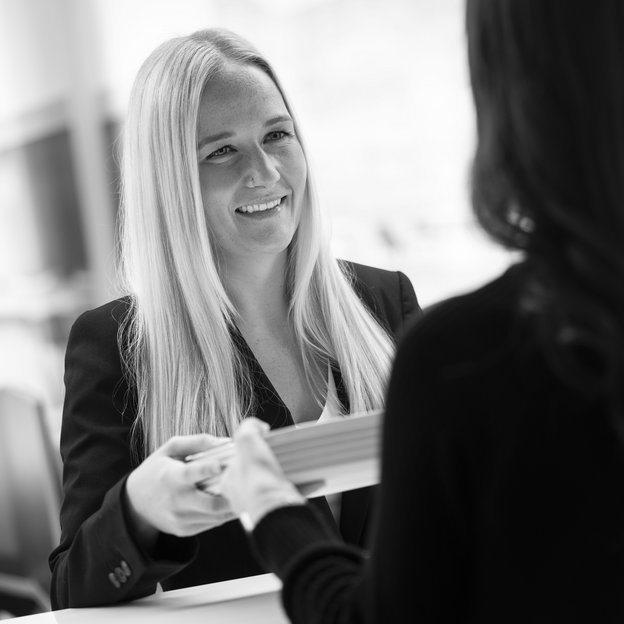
262 170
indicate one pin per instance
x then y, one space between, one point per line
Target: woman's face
252 169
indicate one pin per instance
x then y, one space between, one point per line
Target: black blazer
97 548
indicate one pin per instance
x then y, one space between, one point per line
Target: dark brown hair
548 173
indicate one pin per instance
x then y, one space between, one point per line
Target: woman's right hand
161 494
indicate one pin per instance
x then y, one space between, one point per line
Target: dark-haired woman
502 494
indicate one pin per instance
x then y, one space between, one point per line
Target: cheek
207 187
217 189
215 210
296 169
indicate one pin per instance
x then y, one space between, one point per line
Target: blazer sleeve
97 561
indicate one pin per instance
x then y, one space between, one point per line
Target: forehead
238 95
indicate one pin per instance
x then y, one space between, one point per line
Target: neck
257 287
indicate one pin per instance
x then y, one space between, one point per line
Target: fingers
217 505
206 512
203 511
182 446
252 424
198 463
252 447
201 470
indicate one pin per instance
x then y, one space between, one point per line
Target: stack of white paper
323 458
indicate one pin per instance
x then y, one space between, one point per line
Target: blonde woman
234 308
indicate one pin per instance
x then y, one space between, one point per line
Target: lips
261 207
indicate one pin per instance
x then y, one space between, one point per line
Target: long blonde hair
177 342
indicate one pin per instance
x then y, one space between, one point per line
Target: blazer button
121 577
113 579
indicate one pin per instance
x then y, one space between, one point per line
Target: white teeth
259 207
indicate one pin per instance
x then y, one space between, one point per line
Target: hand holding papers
319 458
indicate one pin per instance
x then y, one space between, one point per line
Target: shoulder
100 326
464 331
372 278
93 361
105 317
389 294
458 365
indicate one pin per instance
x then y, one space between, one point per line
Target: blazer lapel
270 408
268 404
355 511
355 505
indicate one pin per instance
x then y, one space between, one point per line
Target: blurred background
382 92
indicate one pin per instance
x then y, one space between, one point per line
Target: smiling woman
235 307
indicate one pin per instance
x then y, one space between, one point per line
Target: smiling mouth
274 204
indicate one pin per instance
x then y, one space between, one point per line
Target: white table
255 599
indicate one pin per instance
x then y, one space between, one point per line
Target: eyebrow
277 119
213 138
226 135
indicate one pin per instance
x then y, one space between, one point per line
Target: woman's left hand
253 482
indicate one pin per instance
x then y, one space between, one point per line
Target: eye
278 135
222 151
